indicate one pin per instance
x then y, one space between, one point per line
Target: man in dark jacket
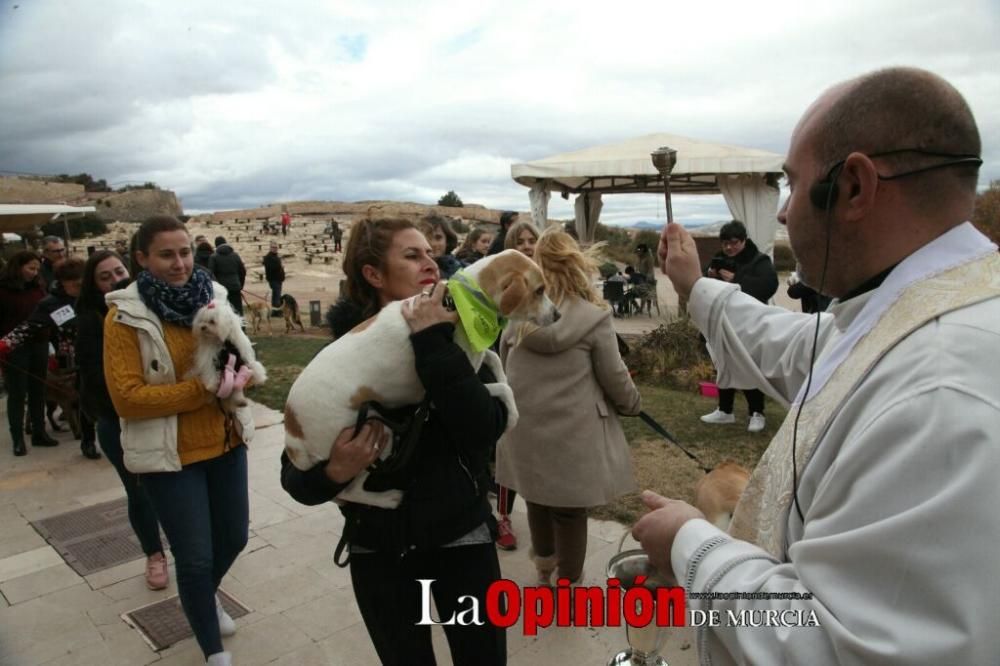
53 254
229 271
274 273
742 263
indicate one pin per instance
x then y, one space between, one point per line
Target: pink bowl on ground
708 389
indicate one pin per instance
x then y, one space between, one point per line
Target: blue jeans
205 513
140 510
275 293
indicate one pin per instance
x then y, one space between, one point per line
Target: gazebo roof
23 217
626 166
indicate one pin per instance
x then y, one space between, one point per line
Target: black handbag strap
406 424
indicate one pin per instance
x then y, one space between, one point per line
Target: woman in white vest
190 457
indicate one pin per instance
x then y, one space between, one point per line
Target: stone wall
135 205
472 214
18 190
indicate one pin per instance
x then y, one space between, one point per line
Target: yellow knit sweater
201 424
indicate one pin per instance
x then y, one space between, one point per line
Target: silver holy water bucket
646 642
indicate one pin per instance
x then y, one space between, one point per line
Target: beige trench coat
570 384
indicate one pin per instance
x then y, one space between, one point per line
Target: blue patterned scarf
175 305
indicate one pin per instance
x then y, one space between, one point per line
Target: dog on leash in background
717 493
255 314
290 310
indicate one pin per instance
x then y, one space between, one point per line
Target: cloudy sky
235 103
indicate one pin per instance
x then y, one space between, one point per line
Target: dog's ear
513 295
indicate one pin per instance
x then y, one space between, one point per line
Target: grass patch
662 467
284 356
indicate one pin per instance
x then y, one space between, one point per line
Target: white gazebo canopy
25 217
746 177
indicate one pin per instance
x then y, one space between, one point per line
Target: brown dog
257 313
718 492
60 388
290 310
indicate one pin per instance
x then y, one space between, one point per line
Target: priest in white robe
887 523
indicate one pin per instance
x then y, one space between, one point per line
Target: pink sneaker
157 574
505 535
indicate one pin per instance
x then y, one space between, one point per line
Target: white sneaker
220 659
756 422
719 417
227 627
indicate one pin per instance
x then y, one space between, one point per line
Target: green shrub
451 200
673 354
607 269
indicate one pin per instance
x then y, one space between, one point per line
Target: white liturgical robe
900 493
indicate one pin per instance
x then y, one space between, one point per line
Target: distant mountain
656 225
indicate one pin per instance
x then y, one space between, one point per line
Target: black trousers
389 598
755 400
24 373
235 298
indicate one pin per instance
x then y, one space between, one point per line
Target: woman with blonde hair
568 451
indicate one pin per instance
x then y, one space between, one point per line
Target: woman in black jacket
443 529
105 272
54 322
742 263
21 290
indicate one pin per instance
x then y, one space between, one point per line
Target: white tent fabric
24 217
586 220
753 201
539 195
626 167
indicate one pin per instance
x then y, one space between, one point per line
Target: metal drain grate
93 538
163 623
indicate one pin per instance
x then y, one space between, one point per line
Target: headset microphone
823 193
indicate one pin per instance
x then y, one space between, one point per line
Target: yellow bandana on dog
477 312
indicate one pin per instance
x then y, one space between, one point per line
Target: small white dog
221 345
375 361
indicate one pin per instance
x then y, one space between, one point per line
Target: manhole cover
93 538
162 624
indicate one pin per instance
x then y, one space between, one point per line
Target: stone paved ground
303 612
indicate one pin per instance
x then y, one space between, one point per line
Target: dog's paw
211 384
258 372
504 393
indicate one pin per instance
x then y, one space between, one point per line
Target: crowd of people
873 503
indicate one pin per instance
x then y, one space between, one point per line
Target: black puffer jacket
273 270
446 484
94 397
228 268
754 271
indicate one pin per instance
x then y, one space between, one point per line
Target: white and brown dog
374 361
216 327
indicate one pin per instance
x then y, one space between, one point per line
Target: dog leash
245 292
43 380
660 430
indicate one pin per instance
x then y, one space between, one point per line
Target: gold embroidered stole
761 516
